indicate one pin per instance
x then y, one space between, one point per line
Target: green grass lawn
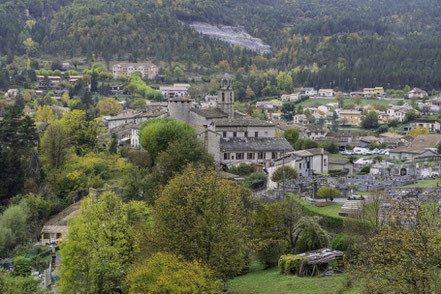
338 155
317 102
331 210
425 183
271 282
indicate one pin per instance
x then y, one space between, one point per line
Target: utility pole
283 173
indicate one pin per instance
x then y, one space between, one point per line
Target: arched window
223 97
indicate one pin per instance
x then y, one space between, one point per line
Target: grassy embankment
260 281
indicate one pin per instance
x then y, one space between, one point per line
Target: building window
274 155
223 97
300 166
308 165
245 134
250 156
46 236
224 134
226 156
239 156
58 235
261 155
234 134
256 134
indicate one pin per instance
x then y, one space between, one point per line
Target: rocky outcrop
233 35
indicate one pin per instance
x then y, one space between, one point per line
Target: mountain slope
354 43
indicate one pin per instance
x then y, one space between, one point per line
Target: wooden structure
317 261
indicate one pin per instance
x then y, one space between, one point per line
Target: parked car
346 152
364 161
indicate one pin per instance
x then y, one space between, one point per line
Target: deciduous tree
168 273
201 216
99 246
109 106
156 134
327 193
55 144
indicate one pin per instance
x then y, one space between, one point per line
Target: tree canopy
155 135
99 247
215 209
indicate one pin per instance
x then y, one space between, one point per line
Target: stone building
181 108
147 69
131 116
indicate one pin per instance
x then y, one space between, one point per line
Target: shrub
347 242
243 169
290 174
290 264
256 180
341 242
310 234
333 223
22 266
365 170
270 251
328 192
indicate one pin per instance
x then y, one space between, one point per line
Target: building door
53 237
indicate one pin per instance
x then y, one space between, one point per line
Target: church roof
242 122
210 113
227 76
259 144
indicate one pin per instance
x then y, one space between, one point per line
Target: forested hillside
333 43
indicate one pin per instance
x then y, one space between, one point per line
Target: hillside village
339 153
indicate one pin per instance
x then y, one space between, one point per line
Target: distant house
300 119
134 116
366 140
211 100
350 117
398 113
127 134
175 91
29 111
308 91
65 66
436 102
311 161
416 93
310 131
392 139
377 91
431 124
147 69
290 97
117 90
12 93
361 94
423 146
269 105
329 93
54 230
383 118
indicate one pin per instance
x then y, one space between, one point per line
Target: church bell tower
225 96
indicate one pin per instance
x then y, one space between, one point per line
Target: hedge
290 264
328 221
